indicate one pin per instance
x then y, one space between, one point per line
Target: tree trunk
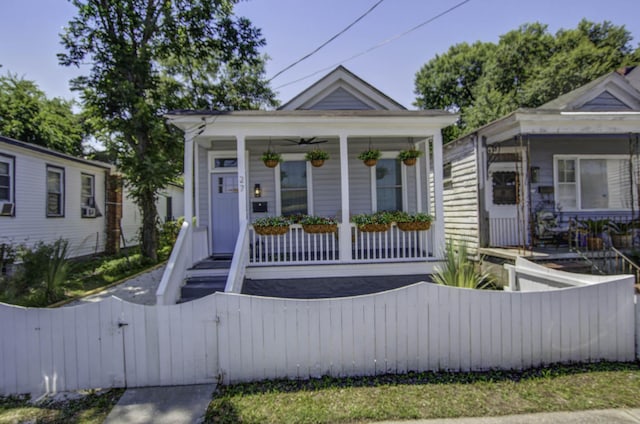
149 247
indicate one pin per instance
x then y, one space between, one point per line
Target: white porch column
188 176
438 197
345 228
242 178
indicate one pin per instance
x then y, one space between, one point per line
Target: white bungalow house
227 186
520 180
46 195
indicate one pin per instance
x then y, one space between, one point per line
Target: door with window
506 206
224 213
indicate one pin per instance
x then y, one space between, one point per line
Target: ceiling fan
306 141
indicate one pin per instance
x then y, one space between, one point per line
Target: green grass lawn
91 409
429 395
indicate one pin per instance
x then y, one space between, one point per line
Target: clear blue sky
29 35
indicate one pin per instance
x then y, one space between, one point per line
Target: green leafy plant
272 221
371 154
400 216
270 155
317 220
409 154
459 271
316 154
372 218
595 227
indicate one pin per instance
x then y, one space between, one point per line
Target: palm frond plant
459 271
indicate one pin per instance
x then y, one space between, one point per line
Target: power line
377 46
326 42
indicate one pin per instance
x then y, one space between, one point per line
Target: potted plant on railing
409 157
621 234
419 221
271 225
271 159
316 157
373 222
319 224
370 157
595 228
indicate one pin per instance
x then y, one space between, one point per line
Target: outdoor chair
548 228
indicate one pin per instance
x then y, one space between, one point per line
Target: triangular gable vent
340 99
604 102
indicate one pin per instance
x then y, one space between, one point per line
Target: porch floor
320 288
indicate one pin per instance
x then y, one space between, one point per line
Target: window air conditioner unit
7 209
88 212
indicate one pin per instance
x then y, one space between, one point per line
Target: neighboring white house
46 195
344 115
569 158
170 206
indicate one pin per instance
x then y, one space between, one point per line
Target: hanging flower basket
271 226
370 157
319 228
271 159
316 157
318 224
414 226
409 157
374 228
419 221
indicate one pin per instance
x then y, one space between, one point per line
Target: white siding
461 199
30 223
340 99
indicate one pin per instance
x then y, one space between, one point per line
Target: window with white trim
388 185
592 182
294 187
87 195
6 185
55 191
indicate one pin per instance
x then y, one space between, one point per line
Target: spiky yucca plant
459 271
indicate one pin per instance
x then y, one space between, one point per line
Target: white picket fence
240 338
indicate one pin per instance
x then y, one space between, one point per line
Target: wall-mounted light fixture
257 191
535 174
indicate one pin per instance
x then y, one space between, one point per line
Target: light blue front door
224 212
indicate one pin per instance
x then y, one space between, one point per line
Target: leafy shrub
316 154
317 220
373 154
372 218
272 221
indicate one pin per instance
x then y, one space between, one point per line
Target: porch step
197 287
576 266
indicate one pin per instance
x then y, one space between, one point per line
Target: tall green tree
151 56
27 114
526 68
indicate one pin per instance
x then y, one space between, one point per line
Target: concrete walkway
162 405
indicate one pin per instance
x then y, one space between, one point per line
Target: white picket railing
299 247
294 247
392 245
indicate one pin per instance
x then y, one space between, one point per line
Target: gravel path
140 289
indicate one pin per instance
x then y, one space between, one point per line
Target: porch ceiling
316 123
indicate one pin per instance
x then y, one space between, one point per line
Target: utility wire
377 46
308 55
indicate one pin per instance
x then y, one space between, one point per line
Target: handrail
627 264
239 262
169 288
